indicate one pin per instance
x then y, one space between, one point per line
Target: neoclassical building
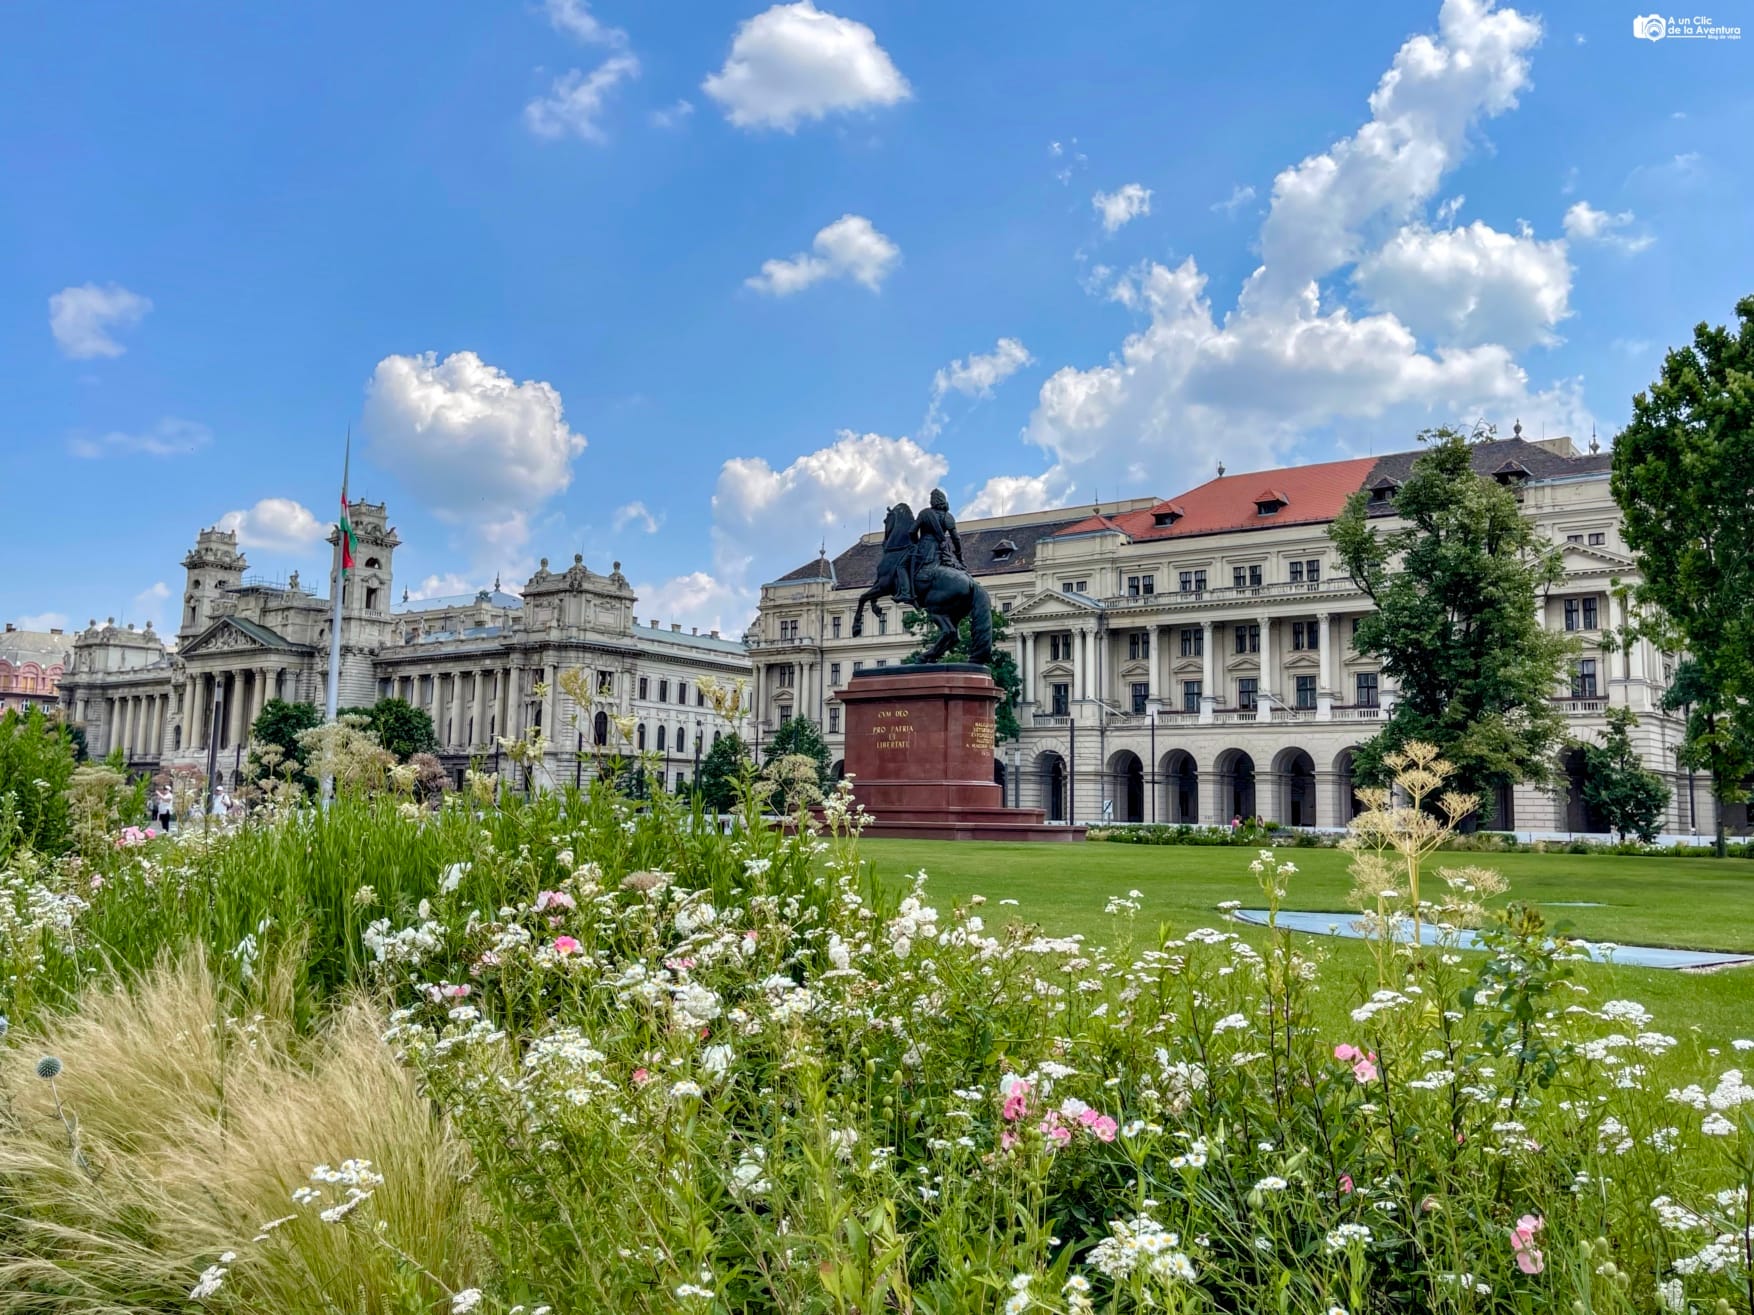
484 665
1189 659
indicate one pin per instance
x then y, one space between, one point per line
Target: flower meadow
585 1053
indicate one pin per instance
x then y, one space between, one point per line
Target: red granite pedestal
919 747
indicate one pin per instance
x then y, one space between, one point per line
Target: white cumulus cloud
699 599
634 513
1470 285
275 525
1194 383
1121 206
1585 223
1007 495
975 377
850 248
1240 195
170 437
447 585
795 62
575 100
480 450
574 17
83 318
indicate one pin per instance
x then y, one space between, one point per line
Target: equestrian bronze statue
922 568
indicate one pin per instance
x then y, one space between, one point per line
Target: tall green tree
799 735
36 763
1714 742
1002 666
400 727
1455 584
724 763
1629 797
279 724
1684 478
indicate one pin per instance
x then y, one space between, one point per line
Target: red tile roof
1312 495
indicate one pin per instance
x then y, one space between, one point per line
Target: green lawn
1691 903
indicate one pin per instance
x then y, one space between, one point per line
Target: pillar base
919 749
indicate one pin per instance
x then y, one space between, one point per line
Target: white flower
1271 1183
465 1301
716 1060
1716 1125
1230 1023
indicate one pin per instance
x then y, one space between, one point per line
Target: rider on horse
937 545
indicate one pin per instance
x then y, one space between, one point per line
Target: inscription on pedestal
980 736
893 729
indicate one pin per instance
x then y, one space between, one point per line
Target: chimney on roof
694 630
55 630
713 633
676 627
654 623
10 627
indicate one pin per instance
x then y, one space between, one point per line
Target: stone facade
31 663
1190 659
473 662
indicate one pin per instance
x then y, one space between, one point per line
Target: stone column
1209 659
128 726
264 684
1268 672
234 709
1153 661
1325 690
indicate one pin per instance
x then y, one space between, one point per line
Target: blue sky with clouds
699 286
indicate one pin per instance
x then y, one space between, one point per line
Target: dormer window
1382 492
1511 472
1004 550
1269 501
1168 514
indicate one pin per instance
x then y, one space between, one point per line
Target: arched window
716 735
639 737
661 731
681 739
600 729
372 562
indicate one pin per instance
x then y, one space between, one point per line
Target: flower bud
48 1067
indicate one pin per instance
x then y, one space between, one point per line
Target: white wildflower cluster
407 945
913 922
1346 1235
562 1068
357 1176
212 1278
1142 1244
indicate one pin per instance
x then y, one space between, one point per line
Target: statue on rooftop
922 568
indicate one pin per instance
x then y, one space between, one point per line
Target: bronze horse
943 593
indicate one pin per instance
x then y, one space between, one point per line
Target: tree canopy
1683 475
1455 584
279 724
719 770
400 727
1627 794
799 736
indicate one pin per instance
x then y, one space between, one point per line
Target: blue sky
698 286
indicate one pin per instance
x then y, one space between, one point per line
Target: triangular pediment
1582 557
1051 605
232 634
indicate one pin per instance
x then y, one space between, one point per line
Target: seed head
48 1067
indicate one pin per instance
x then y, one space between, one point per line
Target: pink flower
641 1076
1365 1069
1105 1128
565 945
1345 1053
1522 1240
1016 1101
1054 1129
1088 1117
1346 1184
1007 1140
457 992
554 899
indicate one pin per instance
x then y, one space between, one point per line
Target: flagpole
337 586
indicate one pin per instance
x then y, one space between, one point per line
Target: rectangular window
1190 696
1367 693
1139 645
1062 700
1589 614
663 691
1306 691
834 719
1574 538
1187 582
834 673
1245 694
1193 641
1141 692
1255 638
858 665
1199 582
834 625
1312 570
1141 586
1583 681
883 624
1296 636
1254 575
882 662
605 682
1238 577
1296 572
1571 614
1598 538
1242 639
644 688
